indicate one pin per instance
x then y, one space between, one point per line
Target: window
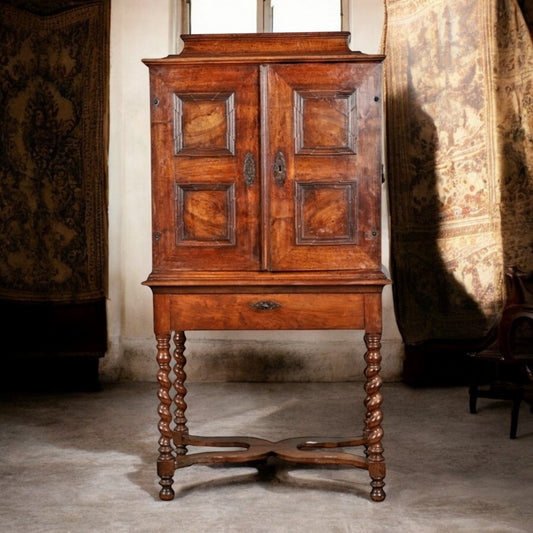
305 15
229 16
250 16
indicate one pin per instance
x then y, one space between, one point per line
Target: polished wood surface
266 180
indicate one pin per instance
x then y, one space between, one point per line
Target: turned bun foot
166 494
377 494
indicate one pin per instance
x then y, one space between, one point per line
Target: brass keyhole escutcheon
280 169
249 169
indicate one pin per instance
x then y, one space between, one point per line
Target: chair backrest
519 286
515 330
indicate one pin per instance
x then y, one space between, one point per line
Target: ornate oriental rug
459 134
54 72
54 63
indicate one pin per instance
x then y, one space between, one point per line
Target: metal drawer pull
265 305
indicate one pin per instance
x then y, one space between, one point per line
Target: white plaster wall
142 29
139 29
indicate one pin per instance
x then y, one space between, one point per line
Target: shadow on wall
438 319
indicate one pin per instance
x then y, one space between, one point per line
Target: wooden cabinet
266 182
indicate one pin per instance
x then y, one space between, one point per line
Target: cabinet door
322 166
206 185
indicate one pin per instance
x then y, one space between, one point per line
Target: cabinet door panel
325 121
205 125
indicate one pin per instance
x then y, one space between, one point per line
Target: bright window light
240 16
306 15
228 16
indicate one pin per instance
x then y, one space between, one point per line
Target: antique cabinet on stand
266 182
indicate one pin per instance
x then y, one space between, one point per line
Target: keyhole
279 169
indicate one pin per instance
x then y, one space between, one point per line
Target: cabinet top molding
266 47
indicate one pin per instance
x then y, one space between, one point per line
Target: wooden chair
508 351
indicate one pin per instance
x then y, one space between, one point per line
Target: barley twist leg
165 461
373 431
180 420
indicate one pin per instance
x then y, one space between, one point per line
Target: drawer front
267 311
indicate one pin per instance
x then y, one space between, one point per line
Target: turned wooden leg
373 432
165 461
517 400
180 419
473 399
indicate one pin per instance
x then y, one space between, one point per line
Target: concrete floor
85 462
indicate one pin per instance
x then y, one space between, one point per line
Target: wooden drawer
267 311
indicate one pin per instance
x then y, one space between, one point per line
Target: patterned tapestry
459 135
54 63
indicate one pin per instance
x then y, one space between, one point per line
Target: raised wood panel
204 124
325 122
205 214
325 213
